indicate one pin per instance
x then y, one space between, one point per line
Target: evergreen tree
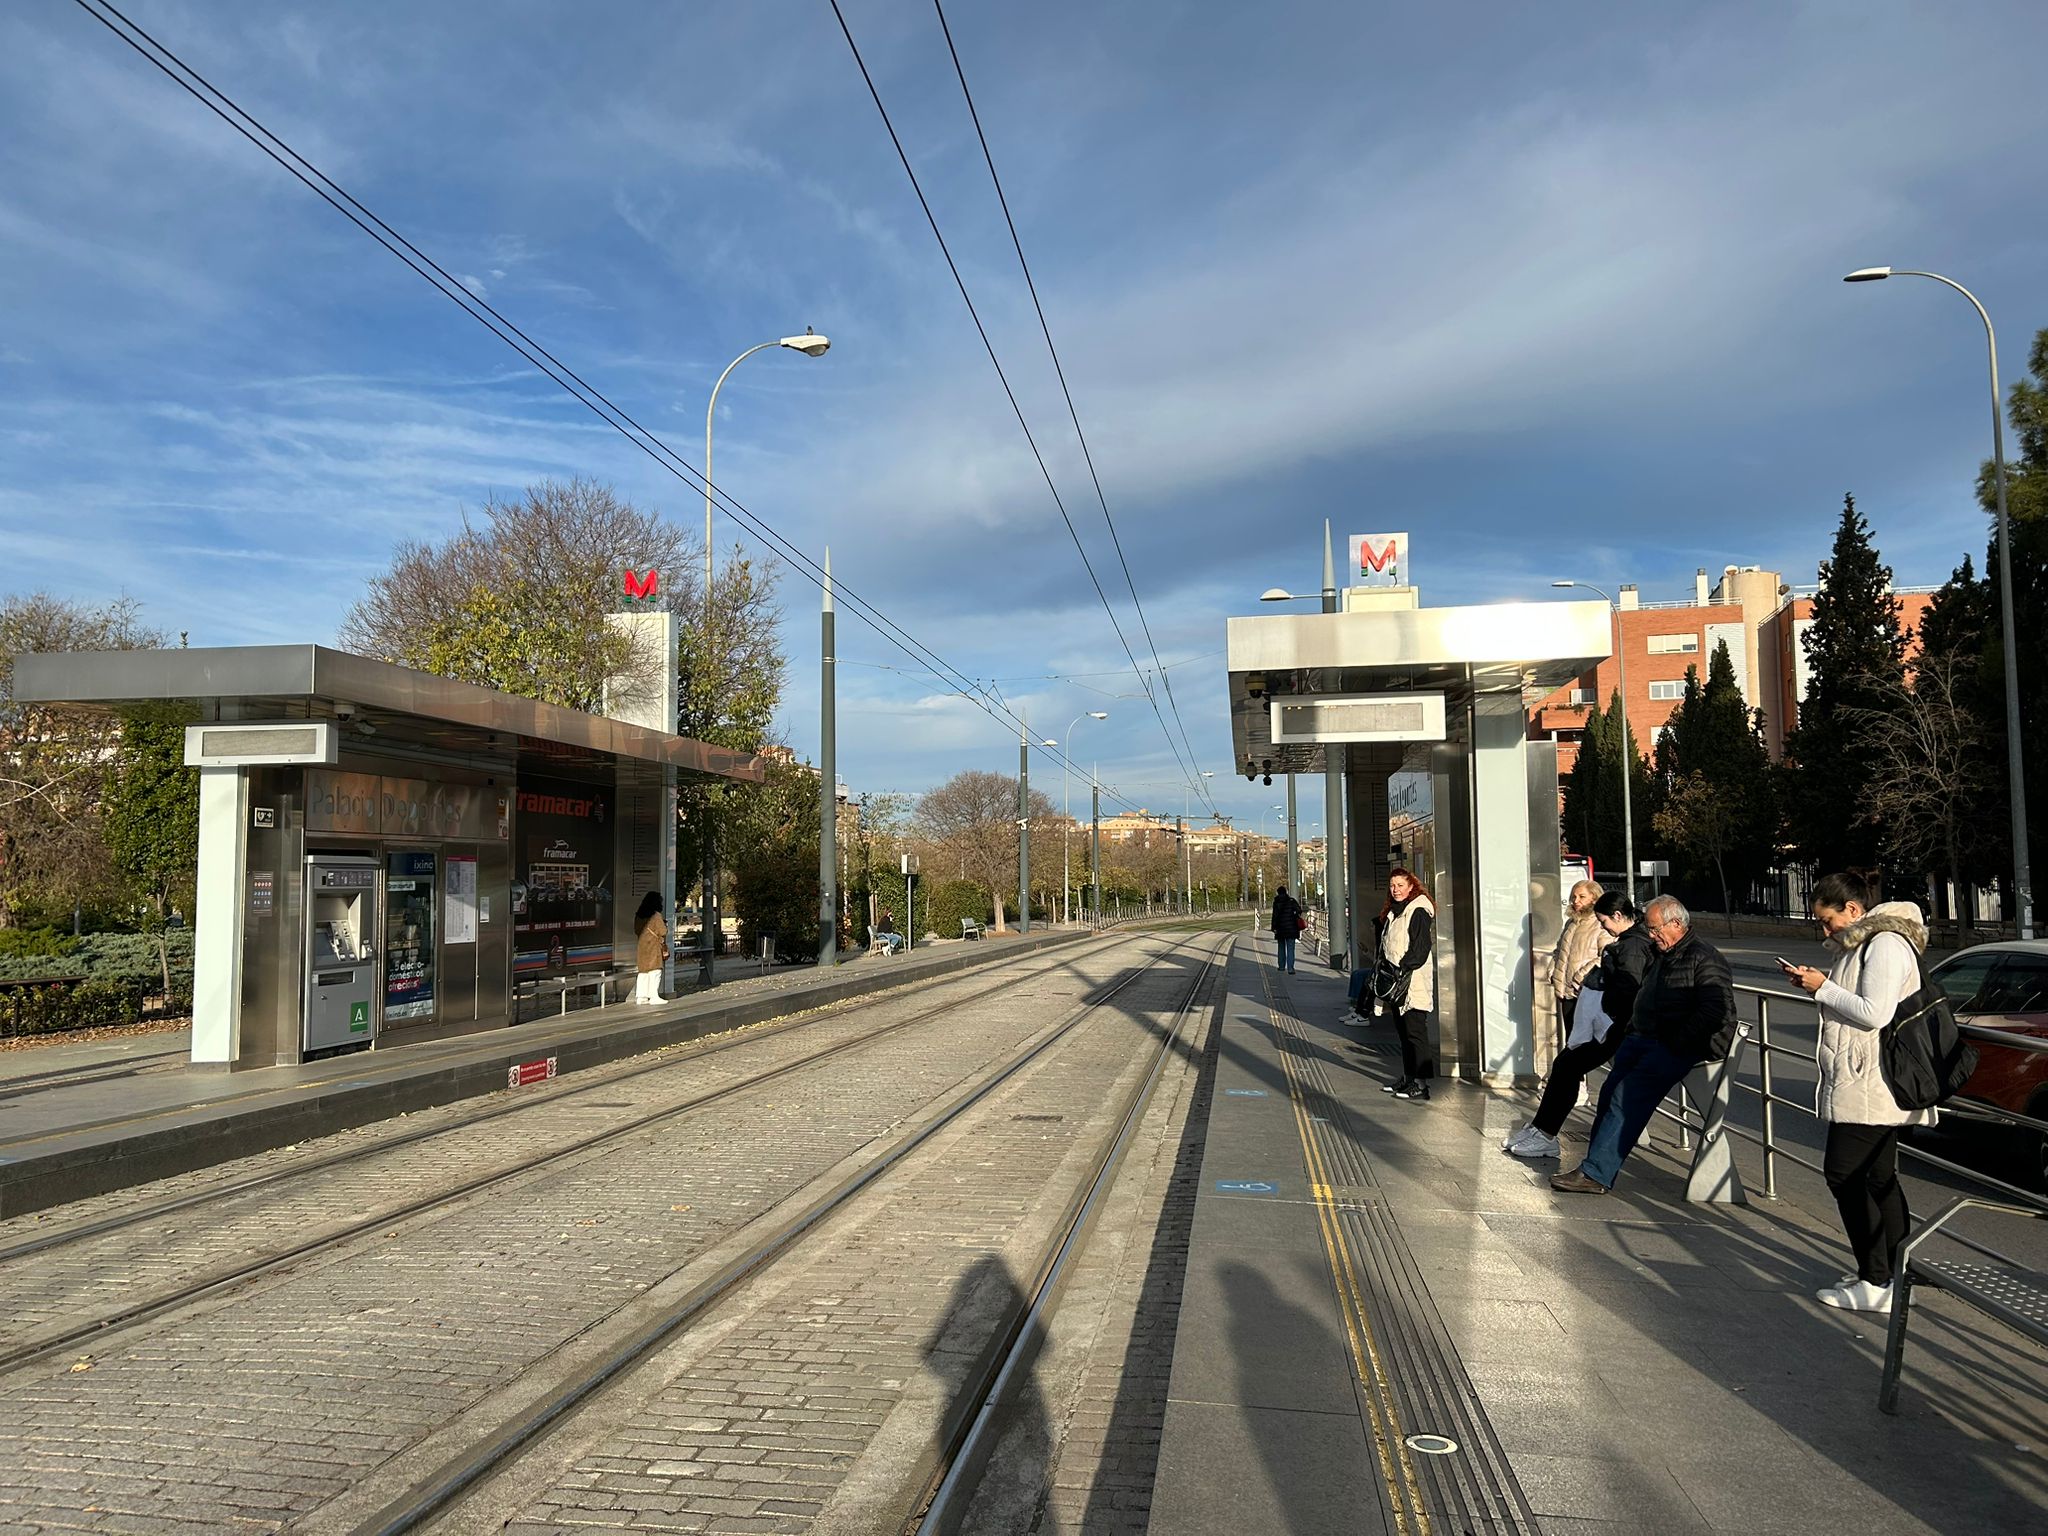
1856 656
151 815
2027 507
1717 793
1593 810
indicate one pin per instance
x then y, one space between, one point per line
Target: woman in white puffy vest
1877 966
1405 978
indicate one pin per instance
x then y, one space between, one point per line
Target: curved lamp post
811 345
1628 750
2016 777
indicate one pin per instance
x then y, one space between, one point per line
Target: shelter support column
217 918
1500 811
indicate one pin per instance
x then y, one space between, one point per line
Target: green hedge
38 942
101 956
90 1003
952 900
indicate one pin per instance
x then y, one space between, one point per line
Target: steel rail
963 1462
459 1474
696 1051
217 1280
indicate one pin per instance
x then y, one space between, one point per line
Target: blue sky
1554 288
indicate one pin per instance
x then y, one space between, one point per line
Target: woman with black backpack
1877 966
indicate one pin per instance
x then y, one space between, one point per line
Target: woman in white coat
1876 967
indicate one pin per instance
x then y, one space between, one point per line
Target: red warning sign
525 1072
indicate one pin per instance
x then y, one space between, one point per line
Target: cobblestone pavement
47 1293
814 1398
260 1404
1108 1356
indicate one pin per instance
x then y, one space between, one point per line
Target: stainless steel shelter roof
397 703
1490 648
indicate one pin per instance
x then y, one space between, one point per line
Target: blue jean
1644 1071
1286 952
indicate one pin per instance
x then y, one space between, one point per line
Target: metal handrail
1972 1108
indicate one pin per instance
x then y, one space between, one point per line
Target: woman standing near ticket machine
652 931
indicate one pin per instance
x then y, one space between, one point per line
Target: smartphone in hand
1786 965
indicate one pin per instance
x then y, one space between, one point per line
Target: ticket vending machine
341 974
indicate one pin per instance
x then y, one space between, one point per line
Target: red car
2005 987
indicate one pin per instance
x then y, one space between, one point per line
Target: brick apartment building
1759 617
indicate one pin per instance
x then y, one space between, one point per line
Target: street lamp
1067 811
1187 858
2016 778
1628 751
811 345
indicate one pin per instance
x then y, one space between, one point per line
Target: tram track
488 1450
214 1282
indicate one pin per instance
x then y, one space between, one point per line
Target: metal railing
1770 1101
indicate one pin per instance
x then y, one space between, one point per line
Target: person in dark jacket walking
1286 928
1684 1015
1617 982
1404 980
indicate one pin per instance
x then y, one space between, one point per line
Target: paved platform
81 1120
1363 1269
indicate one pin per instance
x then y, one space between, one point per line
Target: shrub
776 892
35 941
952 900
59 1005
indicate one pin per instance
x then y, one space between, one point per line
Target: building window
1582 696
1674 689
1673 645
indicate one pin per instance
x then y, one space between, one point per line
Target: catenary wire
1193 778
221 105
1073 413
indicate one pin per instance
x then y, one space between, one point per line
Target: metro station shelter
386 855
1422 713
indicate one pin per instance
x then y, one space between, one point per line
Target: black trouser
1862 1166
1418 1056
1572 1067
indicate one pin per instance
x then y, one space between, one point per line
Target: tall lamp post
1187 857
811 345
1067 812
1628 738
2015 771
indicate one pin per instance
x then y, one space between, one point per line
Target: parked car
2005 987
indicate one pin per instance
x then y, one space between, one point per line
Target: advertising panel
1380 560
562 878
409 936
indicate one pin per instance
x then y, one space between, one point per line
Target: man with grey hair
1684 1015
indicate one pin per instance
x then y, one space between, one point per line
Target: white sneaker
1857 1296
1534 1144
1515 1134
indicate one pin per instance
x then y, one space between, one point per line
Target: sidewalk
1365 1269
105 1128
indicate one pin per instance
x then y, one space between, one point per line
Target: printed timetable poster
562 878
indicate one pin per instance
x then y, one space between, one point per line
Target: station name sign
378 805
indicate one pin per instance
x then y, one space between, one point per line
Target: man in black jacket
1684 1015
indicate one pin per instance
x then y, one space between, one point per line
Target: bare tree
971 819
1704 819
54 760
1925 771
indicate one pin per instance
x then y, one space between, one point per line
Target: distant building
1759 617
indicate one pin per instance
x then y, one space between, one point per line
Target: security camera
344 713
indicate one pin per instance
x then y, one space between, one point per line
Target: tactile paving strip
1471 1489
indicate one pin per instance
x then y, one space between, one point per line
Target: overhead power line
224 107
1073 414
1193 778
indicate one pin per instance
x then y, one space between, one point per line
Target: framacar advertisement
562 878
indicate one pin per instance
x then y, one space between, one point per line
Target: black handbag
1922 1052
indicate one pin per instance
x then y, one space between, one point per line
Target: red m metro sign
1380 560
641 589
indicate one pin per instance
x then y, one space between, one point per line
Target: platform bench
2002 1292
969 928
